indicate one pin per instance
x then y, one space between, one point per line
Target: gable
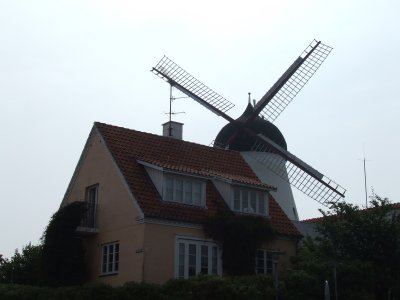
96 167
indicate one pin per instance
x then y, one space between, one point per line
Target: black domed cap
244 142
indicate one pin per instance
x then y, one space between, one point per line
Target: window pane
214 261
169 188
261 204
204 259
197 193
269 267
92 195
104 266
260 262
178 190
192 260
236 199
253 201
110 257
181 260
188 192
245 201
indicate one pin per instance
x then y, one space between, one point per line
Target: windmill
253 132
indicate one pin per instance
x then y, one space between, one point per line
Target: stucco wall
286 247
117 214
159 250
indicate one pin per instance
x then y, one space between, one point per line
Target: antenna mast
365 185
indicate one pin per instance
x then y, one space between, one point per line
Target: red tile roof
130 146
279 221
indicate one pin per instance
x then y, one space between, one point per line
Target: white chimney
173 129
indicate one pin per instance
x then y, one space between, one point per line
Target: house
147 196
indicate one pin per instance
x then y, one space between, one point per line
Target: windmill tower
261 143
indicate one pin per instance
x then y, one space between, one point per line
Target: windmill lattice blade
310 64
186 83
296 172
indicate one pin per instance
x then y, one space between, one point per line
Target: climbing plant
63 251
239 236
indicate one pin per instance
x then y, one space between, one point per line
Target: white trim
78 166
157 221
115 262
134 201
146 164
184 180
248 191
198 243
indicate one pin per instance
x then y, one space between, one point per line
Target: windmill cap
244 142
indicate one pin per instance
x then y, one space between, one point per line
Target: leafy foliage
240 236
204 287
22 268
362 245
63 252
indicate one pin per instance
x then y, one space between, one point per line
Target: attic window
186 190
250 201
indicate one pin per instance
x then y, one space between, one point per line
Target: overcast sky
65 64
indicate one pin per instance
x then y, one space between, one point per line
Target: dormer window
249 201
181 189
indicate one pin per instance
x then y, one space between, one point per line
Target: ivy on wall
63 258
239 236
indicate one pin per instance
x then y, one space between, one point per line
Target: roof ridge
163 137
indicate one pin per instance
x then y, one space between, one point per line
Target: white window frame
269 262
110 258
246 199
184 182
213 267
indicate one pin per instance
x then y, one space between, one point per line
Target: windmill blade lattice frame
192 87
291 83
295 171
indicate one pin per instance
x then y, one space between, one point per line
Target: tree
63 257
22 268
362 245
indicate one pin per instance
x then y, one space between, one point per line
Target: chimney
173 129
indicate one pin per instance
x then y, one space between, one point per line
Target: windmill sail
299 174
186 83
272 156
292 81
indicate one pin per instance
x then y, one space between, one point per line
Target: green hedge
199 288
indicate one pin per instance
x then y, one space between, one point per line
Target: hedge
199 288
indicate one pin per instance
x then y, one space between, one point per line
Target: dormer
245 198
189 188
179 187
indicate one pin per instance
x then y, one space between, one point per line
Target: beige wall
117 215
159 250
287 248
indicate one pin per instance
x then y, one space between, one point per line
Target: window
196 256
90 218
264 262
110 259
249 201
184 190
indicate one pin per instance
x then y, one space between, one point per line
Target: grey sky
65 64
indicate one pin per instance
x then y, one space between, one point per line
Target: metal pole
276 283
335 279
170 111
365 185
